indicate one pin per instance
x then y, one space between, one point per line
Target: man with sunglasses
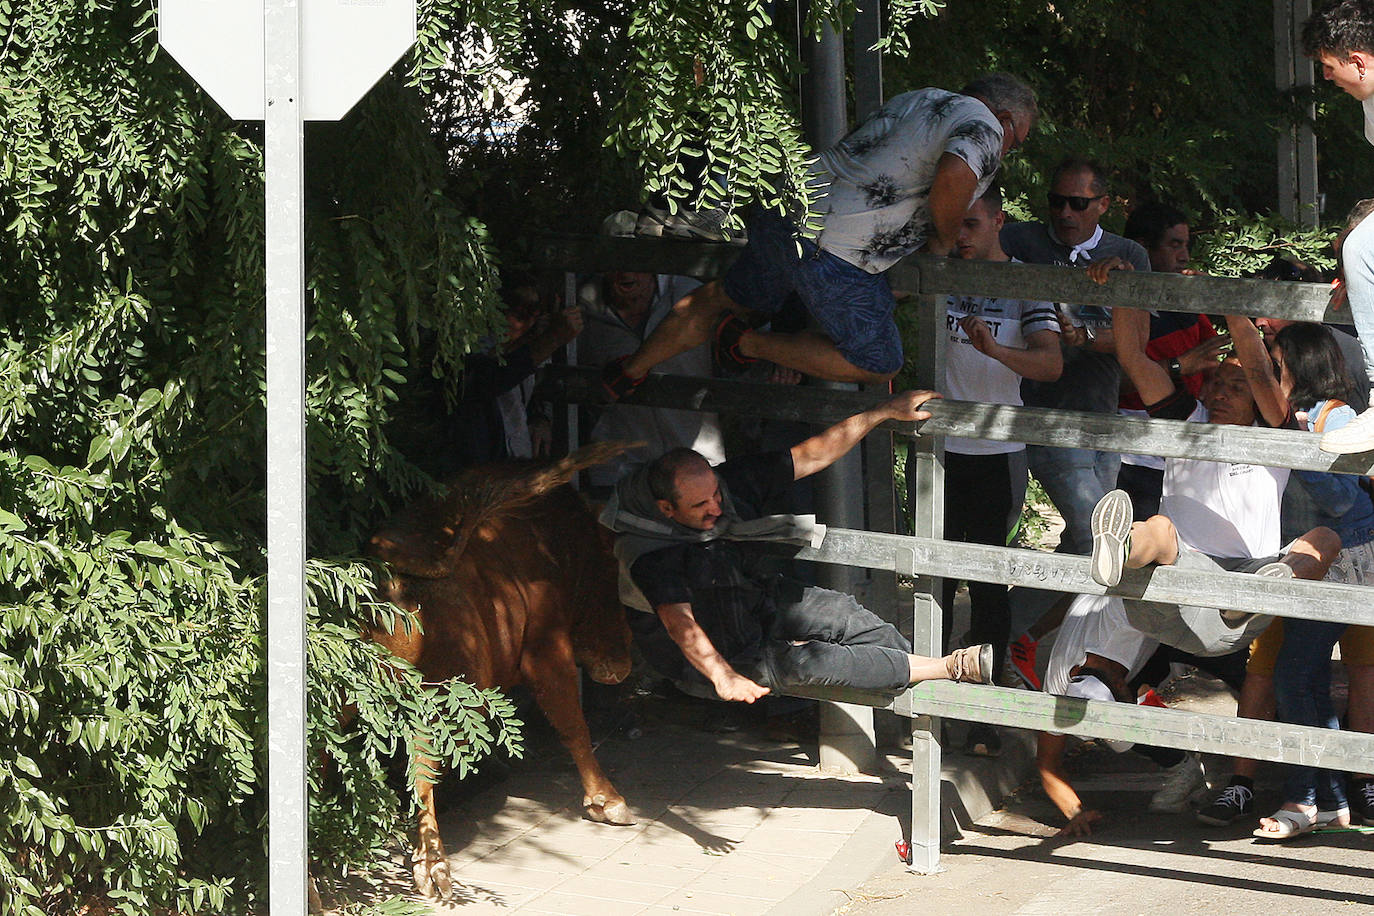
1073 478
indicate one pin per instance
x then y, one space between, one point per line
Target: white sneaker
1111 531
1181 782
1355 436
1275 570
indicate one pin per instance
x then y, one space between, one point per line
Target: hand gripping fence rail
928 558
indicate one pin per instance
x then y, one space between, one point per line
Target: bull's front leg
429 862
549 670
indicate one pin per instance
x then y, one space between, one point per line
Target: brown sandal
972 665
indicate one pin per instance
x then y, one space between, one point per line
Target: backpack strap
1331 404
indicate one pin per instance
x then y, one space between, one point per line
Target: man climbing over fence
899 183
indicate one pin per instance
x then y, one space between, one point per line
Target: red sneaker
1150 698
1021 654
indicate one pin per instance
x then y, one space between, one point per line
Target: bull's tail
565 469
479 495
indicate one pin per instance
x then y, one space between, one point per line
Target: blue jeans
1357 254
1302 685
852 306
1074 479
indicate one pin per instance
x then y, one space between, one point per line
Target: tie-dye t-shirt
874 185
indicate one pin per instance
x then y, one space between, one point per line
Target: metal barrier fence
928 558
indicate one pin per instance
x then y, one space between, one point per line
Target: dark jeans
815 637
1145 485
979 503
1302 685
823 638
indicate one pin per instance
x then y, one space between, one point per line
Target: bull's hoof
609 671
432 878
612 811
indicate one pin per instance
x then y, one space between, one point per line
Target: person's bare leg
1153 541
810 353
688 325
1256 702
1311 555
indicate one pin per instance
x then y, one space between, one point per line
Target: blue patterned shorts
853 307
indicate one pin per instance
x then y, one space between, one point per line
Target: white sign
346 46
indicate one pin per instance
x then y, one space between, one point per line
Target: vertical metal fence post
283 150
570 418
926 494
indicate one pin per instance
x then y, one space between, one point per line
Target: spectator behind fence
1340 36
487 420
899 183
621 309
1214 514
1073 478
1306 388
1228 510
1185 344
993 344
706 608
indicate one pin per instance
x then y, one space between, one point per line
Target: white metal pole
283 153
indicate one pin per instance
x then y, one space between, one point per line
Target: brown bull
513 583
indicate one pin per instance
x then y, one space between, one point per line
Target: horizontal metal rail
1255 739
913 556
925 274
1127 289
1033 425
1190 731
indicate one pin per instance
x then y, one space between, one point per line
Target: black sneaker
725 338
1233 802
615 383
982 741
1362 799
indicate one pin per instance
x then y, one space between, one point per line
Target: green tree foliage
1176 99
132 474
586 108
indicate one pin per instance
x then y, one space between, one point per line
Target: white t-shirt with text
1224 509
977 377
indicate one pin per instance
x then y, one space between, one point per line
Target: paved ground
735 818
1140 863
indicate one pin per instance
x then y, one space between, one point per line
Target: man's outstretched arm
824 449
1049 760
698 649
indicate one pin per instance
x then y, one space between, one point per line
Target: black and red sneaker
615 382
725 338
1021 654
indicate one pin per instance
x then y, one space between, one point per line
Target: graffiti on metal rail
1045 573
1261 743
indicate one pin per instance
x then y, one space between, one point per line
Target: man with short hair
1217 516
1073 478
993 344
693 545
1340 36
899 183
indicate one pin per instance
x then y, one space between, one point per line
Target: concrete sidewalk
734 818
